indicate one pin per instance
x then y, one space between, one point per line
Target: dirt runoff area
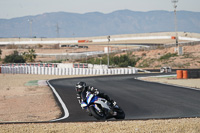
24 99
27 98
172 80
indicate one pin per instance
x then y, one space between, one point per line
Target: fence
31 65
65 71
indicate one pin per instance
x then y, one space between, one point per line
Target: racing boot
112 113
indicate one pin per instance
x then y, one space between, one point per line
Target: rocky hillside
167 57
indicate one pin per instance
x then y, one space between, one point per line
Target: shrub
14 58
30 55
120 61
187 55
167 56
53 61
146 63
144 54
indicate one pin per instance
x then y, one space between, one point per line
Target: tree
14 58
30 55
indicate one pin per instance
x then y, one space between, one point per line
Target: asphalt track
138 99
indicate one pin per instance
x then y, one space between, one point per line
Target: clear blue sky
19 8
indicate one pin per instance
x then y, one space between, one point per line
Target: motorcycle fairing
83 104
102 102
91 98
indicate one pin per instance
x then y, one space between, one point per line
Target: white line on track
66 112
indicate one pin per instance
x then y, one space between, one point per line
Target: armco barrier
64 71
193 74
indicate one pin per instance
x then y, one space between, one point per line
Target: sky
19 8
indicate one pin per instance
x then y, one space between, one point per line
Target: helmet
80 86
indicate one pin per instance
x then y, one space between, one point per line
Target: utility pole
108 51
30 22
175 23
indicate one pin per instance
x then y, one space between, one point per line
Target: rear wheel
98 115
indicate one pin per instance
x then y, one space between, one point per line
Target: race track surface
138 99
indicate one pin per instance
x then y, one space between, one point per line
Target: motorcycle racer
81 89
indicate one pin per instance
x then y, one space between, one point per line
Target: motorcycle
100 108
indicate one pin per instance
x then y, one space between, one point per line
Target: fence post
115 71
105 71
101 71
25 70
50 70
119 71
47 70
59 71
97 71
28 69
56 71
81 71
70 71
90 71
32 70
9 70
67 71
36 70
20 69
42 71
84 71
73 71
63 71
129 71
53 71
94 71
39 70
122 70
77 71
126 71
112 71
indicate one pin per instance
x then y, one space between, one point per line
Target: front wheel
98 115
120 114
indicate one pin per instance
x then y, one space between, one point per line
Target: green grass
167 56
32 83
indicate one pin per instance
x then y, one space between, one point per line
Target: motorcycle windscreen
91 99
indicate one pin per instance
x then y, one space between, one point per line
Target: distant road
144 38
139 99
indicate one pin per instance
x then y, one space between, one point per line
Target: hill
64 24
155 59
